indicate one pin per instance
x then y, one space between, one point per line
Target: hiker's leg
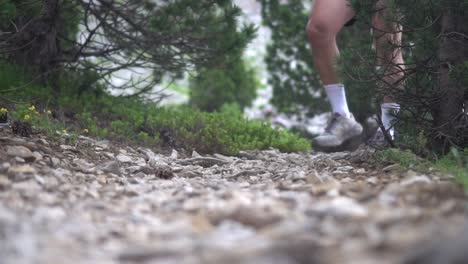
327 18
388 34
387 37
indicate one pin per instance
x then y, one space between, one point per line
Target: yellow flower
27 117
64 131
3 110
86 130
49 112
32 108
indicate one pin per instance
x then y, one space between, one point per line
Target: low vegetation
454 163
98 114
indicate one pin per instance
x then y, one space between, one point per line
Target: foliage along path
94 202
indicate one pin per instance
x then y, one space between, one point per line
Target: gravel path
93 202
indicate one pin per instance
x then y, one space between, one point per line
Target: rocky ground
90 201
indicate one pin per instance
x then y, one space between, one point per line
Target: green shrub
224 132
405 158
455 163
40 119
99 114
7 12
89 124
226 78
214 87
16 83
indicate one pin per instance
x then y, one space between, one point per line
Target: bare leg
327 18
386 34
387 37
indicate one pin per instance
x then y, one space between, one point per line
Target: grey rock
42 142
140 161
134 169
110 167
61 174
163 172
66 147
103 144
124 158
177 169
145 255
86 139
174 154
4 166
55 162
20 160
247 155
222 157
339 155
422 179
148 154
21 172
39 179
343 170
372 180
82 165
202 161
123 151
441 251
360 171
254 217
393 167
248 173
133 180
21 152
139 175
29 188
188 174
288 251
131 192
37 155
157 161
4 182
51 183
339 207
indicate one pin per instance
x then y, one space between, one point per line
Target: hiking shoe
340 134
378 141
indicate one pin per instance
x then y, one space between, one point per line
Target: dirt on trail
94 202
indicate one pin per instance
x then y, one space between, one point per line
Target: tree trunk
452 54
38 40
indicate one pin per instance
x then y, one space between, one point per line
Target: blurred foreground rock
94 202
452 250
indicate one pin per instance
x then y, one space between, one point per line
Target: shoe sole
350 144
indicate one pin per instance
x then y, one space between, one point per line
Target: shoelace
332 123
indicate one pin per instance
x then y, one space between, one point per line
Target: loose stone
21 172
5 183
124 158
20 152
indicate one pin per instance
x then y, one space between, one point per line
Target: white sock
337 96
389 110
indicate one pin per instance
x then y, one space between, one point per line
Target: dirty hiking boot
341 134
378 141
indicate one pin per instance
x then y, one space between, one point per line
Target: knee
318 30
